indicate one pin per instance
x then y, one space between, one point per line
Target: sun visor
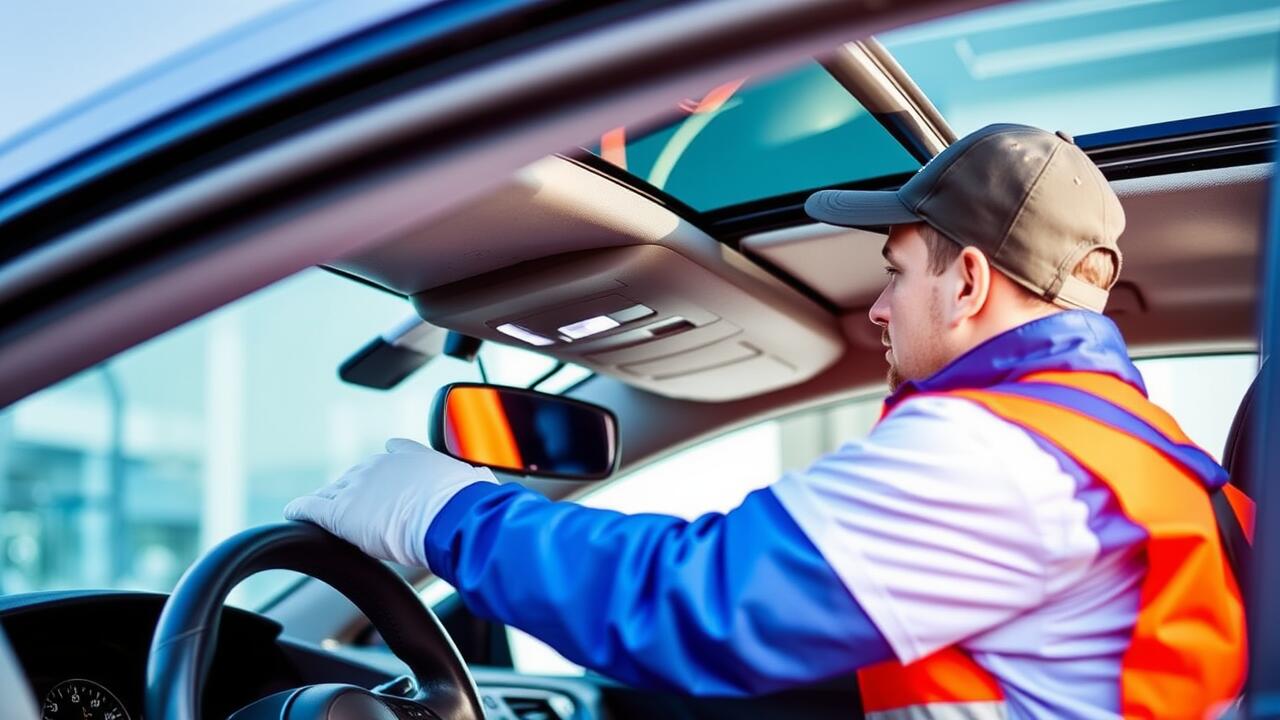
842 264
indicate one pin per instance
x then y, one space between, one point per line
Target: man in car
1023 533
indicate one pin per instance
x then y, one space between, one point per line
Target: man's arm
944 523
925 522
733 604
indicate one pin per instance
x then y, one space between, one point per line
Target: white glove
385 504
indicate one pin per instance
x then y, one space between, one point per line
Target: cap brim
858 208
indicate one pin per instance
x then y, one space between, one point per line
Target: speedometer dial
81 700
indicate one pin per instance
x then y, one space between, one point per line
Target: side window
122 475
1201 392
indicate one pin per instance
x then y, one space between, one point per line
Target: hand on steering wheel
183 646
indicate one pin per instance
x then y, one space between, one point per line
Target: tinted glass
753 139
122 475
1086 66
527 432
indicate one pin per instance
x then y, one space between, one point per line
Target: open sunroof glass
750 139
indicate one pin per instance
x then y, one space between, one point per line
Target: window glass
1202 393
514 366
120 476
564 379
1087 65
752 139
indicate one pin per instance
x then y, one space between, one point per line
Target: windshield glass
119 477
751 139
1086 66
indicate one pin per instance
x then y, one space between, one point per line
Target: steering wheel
182 649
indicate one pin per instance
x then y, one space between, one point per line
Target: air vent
531 709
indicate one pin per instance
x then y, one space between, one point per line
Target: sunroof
755 139
1085 65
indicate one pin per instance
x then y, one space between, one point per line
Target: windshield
119 477
1086 66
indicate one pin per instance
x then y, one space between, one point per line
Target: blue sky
55 52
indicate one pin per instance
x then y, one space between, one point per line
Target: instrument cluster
85 654
79 699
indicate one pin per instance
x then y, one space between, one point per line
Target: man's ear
972 284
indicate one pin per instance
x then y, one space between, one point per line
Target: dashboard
85 656
85 653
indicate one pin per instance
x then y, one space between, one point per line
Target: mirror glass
525 431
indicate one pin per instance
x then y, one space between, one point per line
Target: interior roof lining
808 252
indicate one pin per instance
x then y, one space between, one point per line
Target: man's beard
926 360
893 375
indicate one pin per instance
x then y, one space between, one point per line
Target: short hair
942 250
1098 267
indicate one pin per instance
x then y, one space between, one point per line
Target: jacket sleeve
726 605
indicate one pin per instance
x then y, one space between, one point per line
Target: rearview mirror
525 431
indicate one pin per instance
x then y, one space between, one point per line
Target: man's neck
1002 320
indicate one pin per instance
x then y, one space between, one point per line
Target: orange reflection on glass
478 429
613 147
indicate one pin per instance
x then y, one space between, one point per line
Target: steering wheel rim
183 645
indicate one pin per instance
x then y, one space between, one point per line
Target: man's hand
385 504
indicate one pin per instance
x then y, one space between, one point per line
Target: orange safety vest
1187 655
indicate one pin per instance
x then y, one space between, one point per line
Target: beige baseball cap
1031 200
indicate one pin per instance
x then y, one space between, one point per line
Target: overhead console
566 261
645 314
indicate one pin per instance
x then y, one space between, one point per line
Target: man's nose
879 313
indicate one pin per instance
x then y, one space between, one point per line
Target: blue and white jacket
944 526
